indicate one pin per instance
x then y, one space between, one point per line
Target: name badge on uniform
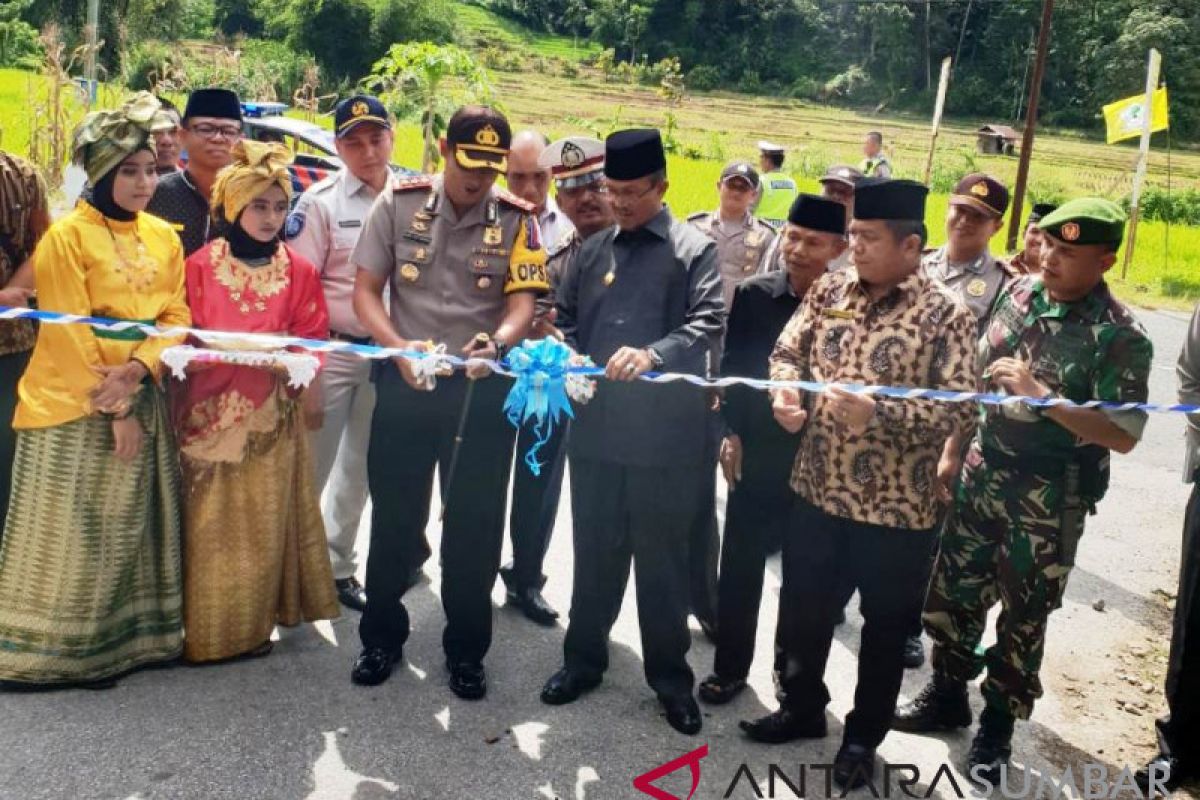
493 235
350 223
977 287
837 313
417 237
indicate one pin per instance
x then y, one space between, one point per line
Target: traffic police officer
1031 475
778 189
464 263
324 227
876 163
643 295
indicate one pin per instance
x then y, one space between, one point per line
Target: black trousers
535 505
1179 731
12 367
622 512
823 558
412 433
757 513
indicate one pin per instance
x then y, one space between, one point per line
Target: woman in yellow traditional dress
255 553
89 562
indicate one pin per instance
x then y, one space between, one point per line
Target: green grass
480 24
726 126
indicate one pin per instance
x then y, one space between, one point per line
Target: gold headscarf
106 138
256 167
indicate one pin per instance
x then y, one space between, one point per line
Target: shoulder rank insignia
511 199
411 183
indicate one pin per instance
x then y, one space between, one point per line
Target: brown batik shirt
24 217
920 335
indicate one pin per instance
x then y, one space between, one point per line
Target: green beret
1087 220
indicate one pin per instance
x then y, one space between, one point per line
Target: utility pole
1031 116
92 33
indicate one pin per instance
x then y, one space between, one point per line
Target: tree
428 81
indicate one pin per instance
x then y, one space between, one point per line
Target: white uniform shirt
554 224
324 227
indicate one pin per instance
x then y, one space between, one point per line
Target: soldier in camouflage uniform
1031 476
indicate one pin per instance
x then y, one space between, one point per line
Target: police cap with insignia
215 103
1087 220
480 136
740 169
633 154
818 214
890 199
770 147
982 193
574 161
841 173
354 111
1040 210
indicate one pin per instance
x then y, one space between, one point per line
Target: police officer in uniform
837 184
778 189
324 227
741 238
464 263
1031 475
964 264
1029 260
875 164
576 166
644 295
757 454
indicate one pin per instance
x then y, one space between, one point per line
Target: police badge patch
295 224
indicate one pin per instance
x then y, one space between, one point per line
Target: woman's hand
117 385
127 438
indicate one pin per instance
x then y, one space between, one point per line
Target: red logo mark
645 783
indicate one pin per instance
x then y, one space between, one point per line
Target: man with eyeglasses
212 123
643 295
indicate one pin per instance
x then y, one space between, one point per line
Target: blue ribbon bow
539 391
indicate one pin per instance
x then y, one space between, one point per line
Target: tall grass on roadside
56 105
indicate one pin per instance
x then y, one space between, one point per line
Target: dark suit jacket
665 293
762 306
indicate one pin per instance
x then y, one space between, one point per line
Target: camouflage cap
1086 220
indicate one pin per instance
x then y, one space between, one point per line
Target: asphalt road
293 726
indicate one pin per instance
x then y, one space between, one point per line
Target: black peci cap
633 154
888 199
818 214
1039 211
215 103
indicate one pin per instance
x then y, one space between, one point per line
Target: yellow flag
1126 117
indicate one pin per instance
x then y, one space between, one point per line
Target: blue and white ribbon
541 392
582 371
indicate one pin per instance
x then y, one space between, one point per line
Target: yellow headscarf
256 167
106 138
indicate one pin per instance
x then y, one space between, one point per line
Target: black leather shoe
914 652
535 608
784 726
683 714
717 691
941 706
854 766
991 747
567 686
373 666
351 593
1162 775
468 680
